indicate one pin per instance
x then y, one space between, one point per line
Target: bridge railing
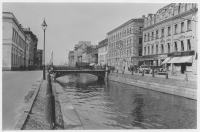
78 68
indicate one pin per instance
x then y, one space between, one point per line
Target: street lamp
44 26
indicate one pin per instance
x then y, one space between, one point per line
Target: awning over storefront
173 60
166 60
185 59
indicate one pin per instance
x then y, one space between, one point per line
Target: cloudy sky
69 23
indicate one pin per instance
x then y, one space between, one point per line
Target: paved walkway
16 85
181 77
35 120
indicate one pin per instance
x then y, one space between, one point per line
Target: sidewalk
180 77
35 119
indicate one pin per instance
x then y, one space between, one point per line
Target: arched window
182 46
175 47
168 45
162 48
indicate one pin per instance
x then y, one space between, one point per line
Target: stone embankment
33 117
170 86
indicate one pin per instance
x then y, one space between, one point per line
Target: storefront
182 61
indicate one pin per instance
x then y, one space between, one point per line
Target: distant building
15 43
32 46
39 59
94 54
102 52
170 37
125 42
78 50
71 58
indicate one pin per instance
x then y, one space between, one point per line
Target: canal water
113 105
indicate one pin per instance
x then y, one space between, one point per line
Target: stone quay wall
170 86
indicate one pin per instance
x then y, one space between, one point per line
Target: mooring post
166 75
153 74
186 77
142 72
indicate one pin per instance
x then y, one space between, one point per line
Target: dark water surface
113 105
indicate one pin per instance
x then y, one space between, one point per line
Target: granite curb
32 94
70 116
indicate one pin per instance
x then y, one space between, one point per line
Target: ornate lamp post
44 26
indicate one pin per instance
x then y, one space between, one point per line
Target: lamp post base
44 77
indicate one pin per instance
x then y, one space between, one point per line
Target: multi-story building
32 46
39 59
102 52
71 58
78 50
170 37
125 42
15 46
94 54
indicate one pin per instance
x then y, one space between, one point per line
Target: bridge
58 71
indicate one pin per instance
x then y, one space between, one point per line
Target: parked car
145 68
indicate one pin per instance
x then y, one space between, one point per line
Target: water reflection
137 111
112 105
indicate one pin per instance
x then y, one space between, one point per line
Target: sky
69 23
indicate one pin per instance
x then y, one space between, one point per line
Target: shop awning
166 60
173 60
185 59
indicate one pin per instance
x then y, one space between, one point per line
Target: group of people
24 68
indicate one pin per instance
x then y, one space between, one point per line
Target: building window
182 27
148 37
169 31
182 46
189 28
140 29
144 50
162 33
162 48
140 40
140 52
156 49
152 35
168 45
188 44
175 47
148 50
175 29
152 49
157 34
145 37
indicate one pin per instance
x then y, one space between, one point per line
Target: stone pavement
65 114
181 77
35 119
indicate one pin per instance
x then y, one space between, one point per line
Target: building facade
170 37
125 42
78 49
32 47
71 58
102 52
15 43
39 59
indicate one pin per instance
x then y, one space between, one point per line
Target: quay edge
170 86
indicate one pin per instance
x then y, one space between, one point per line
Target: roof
12 16
126 23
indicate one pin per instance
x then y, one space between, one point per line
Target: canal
113 105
